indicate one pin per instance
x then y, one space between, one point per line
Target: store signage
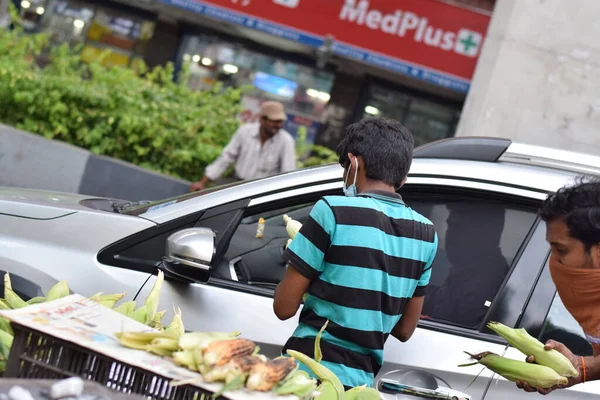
428 40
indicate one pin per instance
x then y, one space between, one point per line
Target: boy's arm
412 313
304 257
408 323
289 292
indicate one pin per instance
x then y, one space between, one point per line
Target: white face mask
350 191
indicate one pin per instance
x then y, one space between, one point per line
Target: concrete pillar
4 15
538 77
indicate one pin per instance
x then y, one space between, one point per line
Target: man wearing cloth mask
363 259
572 217
258 149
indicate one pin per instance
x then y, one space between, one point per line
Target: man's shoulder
249 128
285 136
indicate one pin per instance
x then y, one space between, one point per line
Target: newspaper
88 324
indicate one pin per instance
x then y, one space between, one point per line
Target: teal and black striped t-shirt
366 256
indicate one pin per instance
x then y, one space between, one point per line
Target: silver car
482 194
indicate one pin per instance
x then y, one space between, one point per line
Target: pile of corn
223 357
551 367
226 358
146 314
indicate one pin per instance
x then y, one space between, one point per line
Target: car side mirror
189 253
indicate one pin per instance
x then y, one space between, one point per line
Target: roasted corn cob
220 352
535 375
264 376
521 340
239 366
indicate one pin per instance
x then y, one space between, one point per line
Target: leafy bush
139 116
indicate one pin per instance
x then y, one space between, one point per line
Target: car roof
491 160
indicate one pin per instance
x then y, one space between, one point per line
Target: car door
483 272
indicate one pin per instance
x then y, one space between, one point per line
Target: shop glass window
562 327
478 240
304 91
427 120
98 29
32 12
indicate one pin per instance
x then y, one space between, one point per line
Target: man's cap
273 110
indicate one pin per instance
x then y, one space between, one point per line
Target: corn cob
322 372
264 376
185 358
5 326
58 291
139 340
535 375
239 366
156 321
153 297
141 314
220 352
363 393
291 226
299 384
163 346
36 300
107 300
194 340
6 338
521 340
126 308
13 299
176 327
327 391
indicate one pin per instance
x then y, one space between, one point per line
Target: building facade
332 62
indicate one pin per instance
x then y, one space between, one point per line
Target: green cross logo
467 43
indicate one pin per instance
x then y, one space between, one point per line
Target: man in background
257 150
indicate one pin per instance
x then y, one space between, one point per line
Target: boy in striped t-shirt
363 259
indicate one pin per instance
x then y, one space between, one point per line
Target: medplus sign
468 43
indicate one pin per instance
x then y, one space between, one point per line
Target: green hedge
142 117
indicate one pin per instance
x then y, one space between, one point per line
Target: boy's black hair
385 146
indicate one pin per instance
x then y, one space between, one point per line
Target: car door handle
394 387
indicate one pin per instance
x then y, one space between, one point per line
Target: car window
259 261
478 241
562 327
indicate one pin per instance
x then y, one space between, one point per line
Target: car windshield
138 209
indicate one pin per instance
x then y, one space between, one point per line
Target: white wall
538 77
